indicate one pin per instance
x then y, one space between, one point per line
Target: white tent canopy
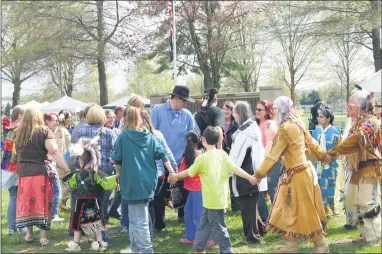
123 101
66 103
32 104
373 84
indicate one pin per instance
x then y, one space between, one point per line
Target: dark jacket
209 116
247 152
228 136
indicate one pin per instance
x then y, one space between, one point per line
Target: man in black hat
174 121
210 114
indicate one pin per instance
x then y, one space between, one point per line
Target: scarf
322 142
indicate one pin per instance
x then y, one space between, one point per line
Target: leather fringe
364 180
371 213
292 236
91 229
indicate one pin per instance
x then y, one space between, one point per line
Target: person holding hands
214 168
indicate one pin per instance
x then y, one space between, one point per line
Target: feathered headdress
90 157
89 152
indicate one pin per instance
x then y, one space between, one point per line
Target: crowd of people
150 158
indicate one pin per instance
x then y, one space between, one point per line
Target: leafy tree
146 82
304 98
313 96
245 58
204 32
360 20
347 52
24 44
292 29
309 98
7 110
98 23
89 91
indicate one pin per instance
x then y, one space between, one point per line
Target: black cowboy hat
182 92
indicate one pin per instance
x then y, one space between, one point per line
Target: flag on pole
170 12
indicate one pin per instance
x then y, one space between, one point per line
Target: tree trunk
347 87
377 52
245 83
215 77
103 91
292 74
16 92
206 77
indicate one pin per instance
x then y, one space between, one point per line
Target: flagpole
174 40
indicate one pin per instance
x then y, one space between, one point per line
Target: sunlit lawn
168 240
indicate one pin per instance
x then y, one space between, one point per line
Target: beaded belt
288 174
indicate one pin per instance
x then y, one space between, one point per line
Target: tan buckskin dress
362 151
298 211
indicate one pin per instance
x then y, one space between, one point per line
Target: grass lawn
168 240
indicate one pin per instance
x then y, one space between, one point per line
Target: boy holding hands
213 167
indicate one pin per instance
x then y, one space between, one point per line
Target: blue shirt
332 138
105 142
160 166
174 127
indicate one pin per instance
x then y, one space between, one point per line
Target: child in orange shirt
194 206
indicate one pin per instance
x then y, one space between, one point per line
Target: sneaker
127 251
22 230
98 246
350 227
210 243
64 207
186 241
11 231
73 247
57 219
124 230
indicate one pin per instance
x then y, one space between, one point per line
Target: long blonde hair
32 121
133 118
137 102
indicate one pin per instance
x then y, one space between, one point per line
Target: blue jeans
11 215
124 216
56 195
213 221
139 230
115 204
192 213
263 208
104 202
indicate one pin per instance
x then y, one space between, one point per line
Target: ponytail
192 139
189 153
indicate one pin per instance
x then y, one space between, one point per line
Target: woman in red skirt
34 198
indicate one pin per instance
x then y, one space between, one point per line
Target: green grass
168 240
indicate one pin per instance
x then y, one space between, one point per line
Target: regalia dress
362 151
298 212
87 186
327 174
